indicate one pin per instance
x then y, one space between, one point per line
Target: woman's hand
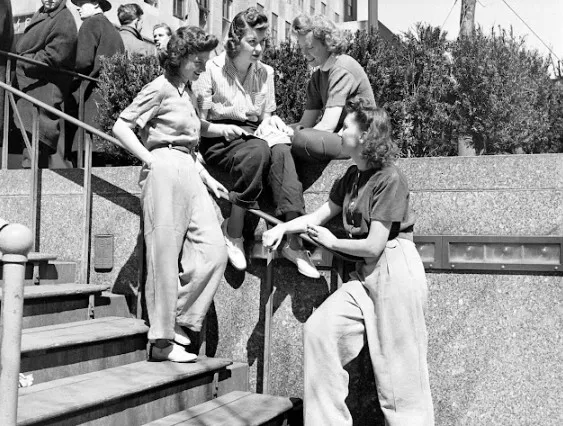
272 238
322 235
213 184
231 132
275 122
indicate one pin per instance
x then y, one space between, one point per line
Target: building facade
212 15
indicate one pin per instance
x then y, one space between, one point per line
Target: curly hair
249 18
379 149
323 29
186 41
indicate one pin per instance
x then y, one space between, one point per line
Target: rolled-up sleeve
340 84
144 107
203 89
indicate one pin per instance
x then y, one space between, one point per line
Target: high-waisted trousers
185 248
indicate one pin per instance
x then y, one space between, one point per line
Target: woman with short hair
337 78
185 250
238 89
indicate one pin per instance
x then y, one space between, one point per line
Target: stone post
15 243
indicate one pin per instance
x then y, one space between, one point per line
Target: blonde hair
323 29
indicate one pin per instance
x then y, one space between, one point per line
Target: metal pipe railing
87 207
42 64
15 243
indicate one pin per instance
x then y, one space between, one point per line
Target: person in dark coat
49 38
131 19
97 37
6 41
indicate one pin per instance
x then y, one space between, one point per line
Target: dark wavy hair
127 13
186 41
379 149
249 18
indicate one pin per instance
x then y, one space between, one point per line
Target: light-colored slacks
384 304
185 248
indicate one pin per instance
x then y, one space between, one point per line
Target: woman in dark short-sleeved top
338 77
385 300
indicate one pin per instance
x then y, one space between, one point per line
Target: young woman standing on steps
384 303
185 251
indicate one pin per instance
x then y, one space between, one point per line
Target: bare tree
467 18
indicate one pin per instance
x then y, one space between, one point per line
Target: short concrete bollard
15 243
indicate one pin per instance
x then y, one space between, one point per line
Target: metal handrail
15 243
42 64
87 206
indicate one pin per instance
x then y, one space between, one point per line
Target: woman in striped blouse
238 89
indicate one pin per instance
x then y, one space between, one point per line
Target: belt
181 148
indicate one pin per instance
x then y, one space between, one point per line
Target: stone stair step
63 350
37 267
58 290
57 303
236 409
132 394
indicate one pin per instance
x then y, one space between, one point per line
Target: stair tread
236 408
80 332
35 257
58 397
52 290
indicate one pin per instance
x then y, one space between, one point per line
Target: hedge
491 88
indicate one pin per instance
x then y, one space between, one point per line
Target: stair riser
142 408
51 273
54 310
65 362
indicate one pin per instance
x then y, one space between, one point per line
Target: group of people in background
51 37
218 112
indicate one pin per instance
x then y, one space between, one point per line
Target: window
152 2
312 7
349 10
287 30
259 7
336 17
323 8
203 6
179 9
301 4
274 29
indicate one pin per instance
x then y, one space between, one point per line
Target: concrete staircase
88 355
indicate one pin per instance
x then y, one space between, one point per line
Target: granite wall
495 338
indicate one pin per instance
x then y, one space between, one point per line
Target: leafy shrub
503 91
490 87
291 77
122 77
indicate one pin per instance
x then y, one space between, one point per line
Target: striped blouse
220 92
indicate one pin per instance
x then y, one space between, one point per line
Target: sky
545 17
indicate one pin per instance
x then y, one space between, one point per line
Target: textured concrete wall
494 339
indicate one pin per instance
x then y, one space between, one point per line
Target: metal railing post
6 112
268 314
86 211
34 154
15 243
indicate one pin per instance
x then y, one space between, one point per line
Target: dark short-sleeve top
338 80
375 194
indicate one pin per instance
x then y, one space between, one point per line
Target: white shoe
235 248
302 259
172 352
180 336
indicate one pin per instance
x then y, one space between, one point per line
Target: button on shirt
165 112
220 92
